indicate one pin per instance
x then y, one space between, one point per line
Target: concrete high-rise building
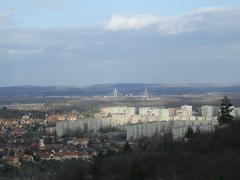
149 111
207 111
118 110
177 128
183 113
164 114
187 109
236 112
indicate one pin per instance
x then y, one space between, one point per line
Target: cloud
20 52
126 23
4 15
194 47
166 25
203 18
209 10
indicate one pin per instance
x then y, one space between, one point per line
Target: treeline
17 114
204 156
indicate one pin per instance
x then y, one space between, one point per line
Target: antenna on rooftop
146 94
115 94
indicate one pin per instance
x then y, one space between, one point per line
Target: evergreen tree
167 139
127 148
12 153
197 132
189 132
4 108
225 116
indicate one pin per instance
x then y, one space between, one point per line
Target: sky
81 43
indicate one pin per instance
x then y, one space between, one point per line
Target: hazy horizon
130 83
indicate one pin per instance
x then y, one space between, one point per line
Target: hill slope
106 89
207 156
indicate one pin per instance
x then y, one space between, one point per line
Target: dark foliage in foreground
213 156
225 116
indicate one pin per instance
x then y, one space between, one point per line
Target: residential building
118 110
207 111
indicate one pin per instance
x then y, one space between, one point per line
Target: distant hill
124 88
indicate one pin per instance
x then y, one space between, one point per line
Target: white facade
164 114
187 110
149 111
183 113
118 110
207 111
63 126
178 128
140 130
236 112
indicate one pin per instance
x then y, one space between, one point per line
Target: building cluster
116 110
27 140
235 112
147 120
66 136
15 141
61 117
61 156
176 128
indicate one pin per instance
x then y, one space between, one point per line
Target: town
64 136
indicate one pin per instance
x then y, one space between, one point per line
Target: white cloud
166 25
203 18
126 23
4 15
209 10
19 54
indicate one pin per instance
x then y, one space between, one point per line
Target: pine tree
127 148
189 132
12 153
225 116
